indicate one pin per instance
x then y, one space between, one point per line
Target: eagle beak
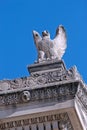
33 31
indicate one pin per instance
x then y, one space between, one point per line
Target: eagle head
36 36
45 34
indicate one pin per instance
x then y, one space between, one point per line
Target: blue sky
19 17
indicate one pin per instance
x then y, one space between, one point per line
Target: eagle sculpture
49 49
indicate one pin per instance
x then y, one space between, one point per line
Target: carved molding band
39 79
82 95
60 92
62 120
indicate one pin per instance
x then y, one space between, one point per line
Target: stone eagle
49 49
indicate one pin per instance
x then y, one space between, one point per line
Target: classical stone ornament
25 96
38 79
62 119
30 89
63 125
82 95
50 49
81 104
59 92
4 85
51 98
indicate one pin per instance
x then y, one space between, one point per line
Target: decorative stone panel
48 122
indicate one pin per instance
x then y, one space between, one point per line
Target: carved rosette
25 96
58 92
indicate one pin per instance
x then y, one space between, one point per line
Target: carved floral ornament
60 92
38 79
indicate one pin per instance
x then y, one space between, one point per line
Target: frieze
60 92
9 99
39 79
82 95
62 120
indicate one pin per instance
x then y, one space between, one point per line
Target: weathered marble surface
45 74
49 119
48 80
48 84
50 49
81 104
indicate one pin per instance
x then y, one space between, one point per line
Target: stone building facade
51 98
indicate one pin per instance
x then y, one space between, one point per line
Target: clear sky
19 17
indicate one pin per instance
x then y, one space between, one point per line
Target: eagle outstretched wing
50 49
59 42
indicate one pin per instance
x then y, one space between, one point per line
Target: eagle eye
36 35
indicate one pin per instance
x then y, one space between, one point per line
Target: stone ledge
46 66
60 93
